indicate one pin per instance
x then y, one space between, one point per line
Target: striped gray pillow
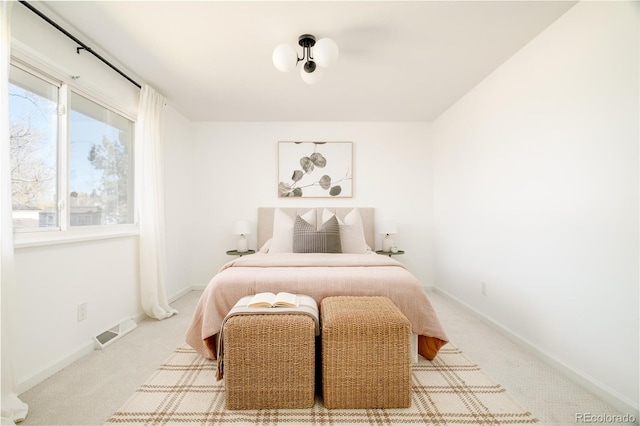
307 240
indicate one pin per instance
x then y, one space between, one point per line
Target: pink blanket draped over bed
318 275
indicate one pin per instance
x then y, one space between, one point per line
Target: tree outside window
96 173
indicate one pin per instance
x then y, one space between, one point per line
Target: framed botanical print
315 169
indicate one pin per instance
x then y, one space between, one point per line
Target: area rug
450 390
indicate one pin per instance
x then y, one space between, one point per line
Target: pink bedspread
318 275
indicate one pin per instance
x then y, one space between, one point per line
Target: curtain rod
83 46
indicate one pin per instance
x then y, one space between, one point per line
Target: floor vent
106 338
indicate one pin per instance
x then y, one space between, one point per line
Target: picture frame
315 169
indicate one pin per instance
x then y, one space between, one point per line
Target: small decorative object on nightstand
390 253
239 253
387 227
242 228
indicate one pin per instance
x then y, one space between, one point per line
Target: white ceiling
399 60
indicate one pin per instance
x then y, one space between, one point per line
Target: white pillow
351 231
266 246
282 239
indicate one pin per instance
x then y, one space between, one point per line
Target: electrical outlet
82 311
483 288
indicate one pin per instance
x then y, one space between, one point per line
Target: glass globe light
325 52
284 57
311 77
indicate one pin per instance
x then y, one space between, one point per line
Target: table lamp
242 228
387 227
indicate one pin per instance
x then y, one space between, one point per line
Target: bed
319 252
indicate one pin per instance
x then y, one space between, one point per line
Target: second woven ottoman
366 353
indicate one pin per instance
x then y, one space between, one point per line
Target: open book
270 300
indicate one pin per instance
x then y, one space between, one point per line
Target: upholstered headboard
265 220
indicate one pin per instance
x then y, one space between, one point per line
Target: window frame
64 232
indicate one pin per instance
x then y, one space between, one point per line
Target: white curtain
150 200
13 410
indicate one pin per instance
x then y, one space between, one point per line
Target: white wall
536 193
53 279
236 171
179 199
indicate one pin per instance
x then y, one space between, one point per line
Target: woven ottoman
269 361
366 353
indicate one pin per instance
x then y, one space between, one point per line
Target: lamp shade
284 57
325 52
241 228
387 227
311 77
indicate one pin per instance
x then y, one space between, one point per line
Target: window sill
37 239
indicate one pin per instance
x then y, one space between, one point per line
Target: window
67 170
100 166
33 134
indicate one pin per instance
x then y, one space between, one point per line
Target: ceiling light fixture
325 53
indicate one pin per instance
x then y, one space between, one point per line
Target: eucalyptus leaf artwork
315 169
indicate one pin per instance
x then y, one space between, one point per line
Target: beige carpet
448 391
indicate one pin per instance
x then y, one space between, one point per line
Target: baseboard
198 287
179 294
594 386
186 290
23 384
139 318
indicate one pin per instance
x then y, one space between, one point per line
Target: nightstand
390 253
239 253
